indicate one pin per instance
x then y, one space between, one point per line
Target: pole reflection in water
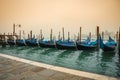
106 63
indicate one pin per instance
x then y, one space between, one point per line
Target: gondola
111 41
106 47
31 42
86 45
11 42
3 43
47 44
20 42
65 45
84 42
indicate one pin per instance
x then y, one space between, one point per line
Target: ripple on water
90 61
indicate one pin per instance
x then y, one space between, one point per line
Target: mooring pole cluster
31 36
9 36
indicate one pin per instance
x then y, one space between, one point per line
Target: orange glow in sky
70 14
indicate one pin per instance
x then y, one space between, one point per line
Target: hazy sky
70 14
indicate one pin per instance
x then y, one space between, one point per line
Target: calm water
90 61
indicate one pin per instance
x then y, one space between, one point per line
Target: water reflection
47 50
90 61
107 56
105 64
65 53
84 55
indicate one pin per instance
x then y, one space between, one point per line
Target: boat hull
107 48
83 47
30 43
59 46
20 43
11 42
47 45
3 43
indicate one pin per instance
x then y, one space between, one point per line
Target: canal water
90 61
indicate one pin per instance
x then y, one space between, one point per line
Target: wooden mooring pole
102 35
98 37
74 37
59 36
28 36
119 43
4 37
51 35
78 37
63 34
68 36
41 34
3 42
117 36
20 35
13 29
31 34
23 34
80 34
90 35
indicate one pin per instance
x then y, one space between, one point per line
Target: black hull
59 46
106 48
20 44
83 47
31 44
49 45
11 42
3 43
